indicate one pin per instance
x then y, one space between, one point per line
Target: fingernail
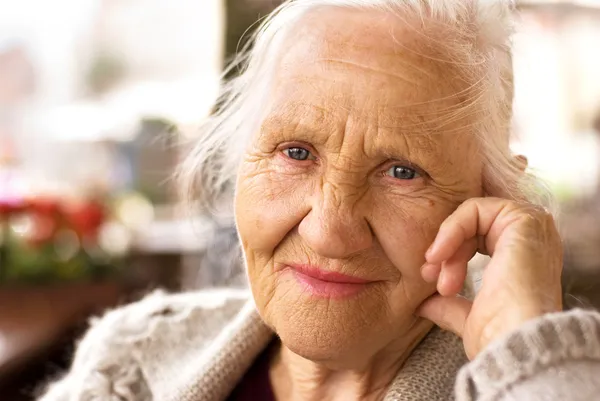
431 250
442 283
430 272
435 245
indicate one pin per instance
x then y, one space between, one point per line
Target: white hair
477 43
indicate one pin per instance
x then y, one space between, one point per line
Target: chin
331 348
335 333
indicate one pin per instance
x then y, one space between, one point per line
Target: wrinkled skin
361 101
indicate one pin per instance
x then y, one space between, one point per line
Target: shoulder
158 315
122 347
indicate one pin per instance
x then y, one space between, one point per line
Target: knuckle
534 213
471 203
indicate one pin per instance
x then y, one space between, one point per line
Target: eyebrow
299 117
312 117
311 130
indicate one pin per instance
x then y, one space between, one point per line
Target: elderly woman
369 145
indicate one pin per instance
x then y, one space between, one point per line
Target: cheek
268 206
406 227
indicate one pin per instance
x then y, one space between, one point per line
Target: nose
336 226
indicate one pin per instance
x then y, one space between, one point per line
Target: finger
450 313
475 217
430 272
454 270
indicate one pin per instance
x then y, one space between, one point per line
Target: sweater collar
428 374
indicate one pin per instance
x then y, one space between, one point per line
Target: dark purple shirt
255 385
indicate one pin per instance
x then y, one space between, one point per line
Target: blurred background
98 99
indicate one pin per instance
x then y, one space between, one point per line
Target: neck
296 378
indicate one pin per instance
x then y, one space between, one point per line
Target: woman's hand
521 282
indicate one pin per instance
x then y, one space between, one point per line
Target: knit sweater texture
197 346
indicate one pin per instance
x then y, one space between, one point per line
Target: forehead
384 74
375 62
382 48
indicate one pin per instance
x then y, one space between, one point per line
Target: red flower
45 207
45 214
9 206
86 218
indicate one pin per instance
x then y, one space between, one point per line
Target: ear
521 162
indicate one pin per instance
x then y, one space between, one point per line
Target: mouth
328 284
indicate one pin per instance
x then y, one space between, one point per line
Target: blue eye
298 154
402 173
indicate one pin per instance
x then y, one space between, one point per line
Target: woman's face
364 152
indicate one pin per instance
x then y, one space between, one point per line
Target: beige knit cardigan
196 347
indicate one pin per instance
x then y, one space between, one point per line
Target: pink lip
327 283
